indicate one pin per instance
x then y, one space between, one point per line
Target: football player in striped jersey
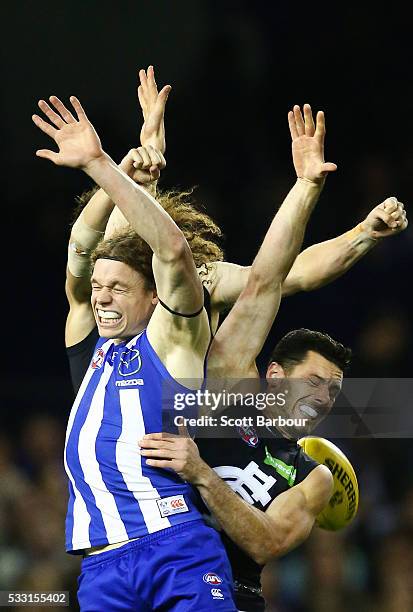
132 521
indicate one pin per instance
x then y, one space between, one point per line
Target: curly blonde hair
201 232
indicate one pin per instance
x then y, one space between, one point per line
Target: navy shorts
181 568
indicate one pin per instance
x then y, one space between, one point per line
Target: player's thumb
46 154
329 167
183 431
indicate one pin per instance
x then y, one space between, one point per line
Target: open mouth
109 318
308 411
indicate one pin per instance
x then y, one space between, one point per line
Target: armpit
208 275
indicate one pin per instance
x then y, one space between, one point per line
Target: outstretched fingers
320 130
152 86
44 126
308 120
292 125
159 108
50 114
299 121
81 115
61 108
142 101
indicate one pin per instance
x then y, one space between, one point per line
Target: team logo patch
249 435
172 505
98 359
217 594
212 578
130 362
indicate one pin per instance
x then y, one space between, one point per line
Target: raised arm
177 281
286 523
241 336
322 263
144 169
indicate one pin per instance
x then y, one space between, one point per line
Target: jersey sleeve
79 356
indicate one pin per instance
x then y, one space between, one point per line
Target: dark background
236 68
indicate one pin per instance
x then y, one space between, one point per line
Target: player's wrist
151 187
205 477
311 182
96 164
361 234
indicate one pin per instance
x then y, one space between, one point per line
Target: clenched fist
387 219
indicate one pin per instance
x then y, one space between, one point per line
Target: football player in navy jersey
129 520
273 491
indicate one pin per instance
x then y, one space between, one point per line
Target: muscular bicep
179 328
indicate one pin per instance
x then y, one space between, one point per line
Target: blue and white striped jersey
113 494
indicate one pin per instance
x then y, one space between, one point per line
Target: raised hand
153 110
78 143
387 219
143 164
308 144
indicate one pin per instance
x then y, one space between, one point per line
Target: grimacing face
121 304
312 387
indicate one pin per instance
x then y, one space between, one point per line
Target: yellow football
343 505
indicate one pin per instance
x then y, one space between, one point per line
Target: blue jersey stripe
106 453
111 486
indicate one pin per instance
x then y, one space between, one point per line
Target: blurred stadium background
236 68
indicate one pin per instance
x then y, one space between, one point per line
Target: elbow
261 283
270 547
261 558
266 553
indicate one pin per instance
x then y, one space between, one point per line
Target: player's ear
275 371
154 297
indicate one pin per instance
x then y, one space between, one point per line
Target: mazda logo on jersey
130 362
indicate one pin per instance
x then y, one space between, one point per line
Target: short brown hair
293 347
128 248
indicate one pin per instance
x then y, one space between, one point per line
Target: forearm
322 263
285 235
140 209
85 234
250 528
117 221
97 211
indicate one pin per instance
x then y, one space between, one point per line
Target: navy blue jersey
257 469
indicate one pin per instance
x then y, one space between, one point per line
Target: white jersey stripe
129 460
105 501
81 517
